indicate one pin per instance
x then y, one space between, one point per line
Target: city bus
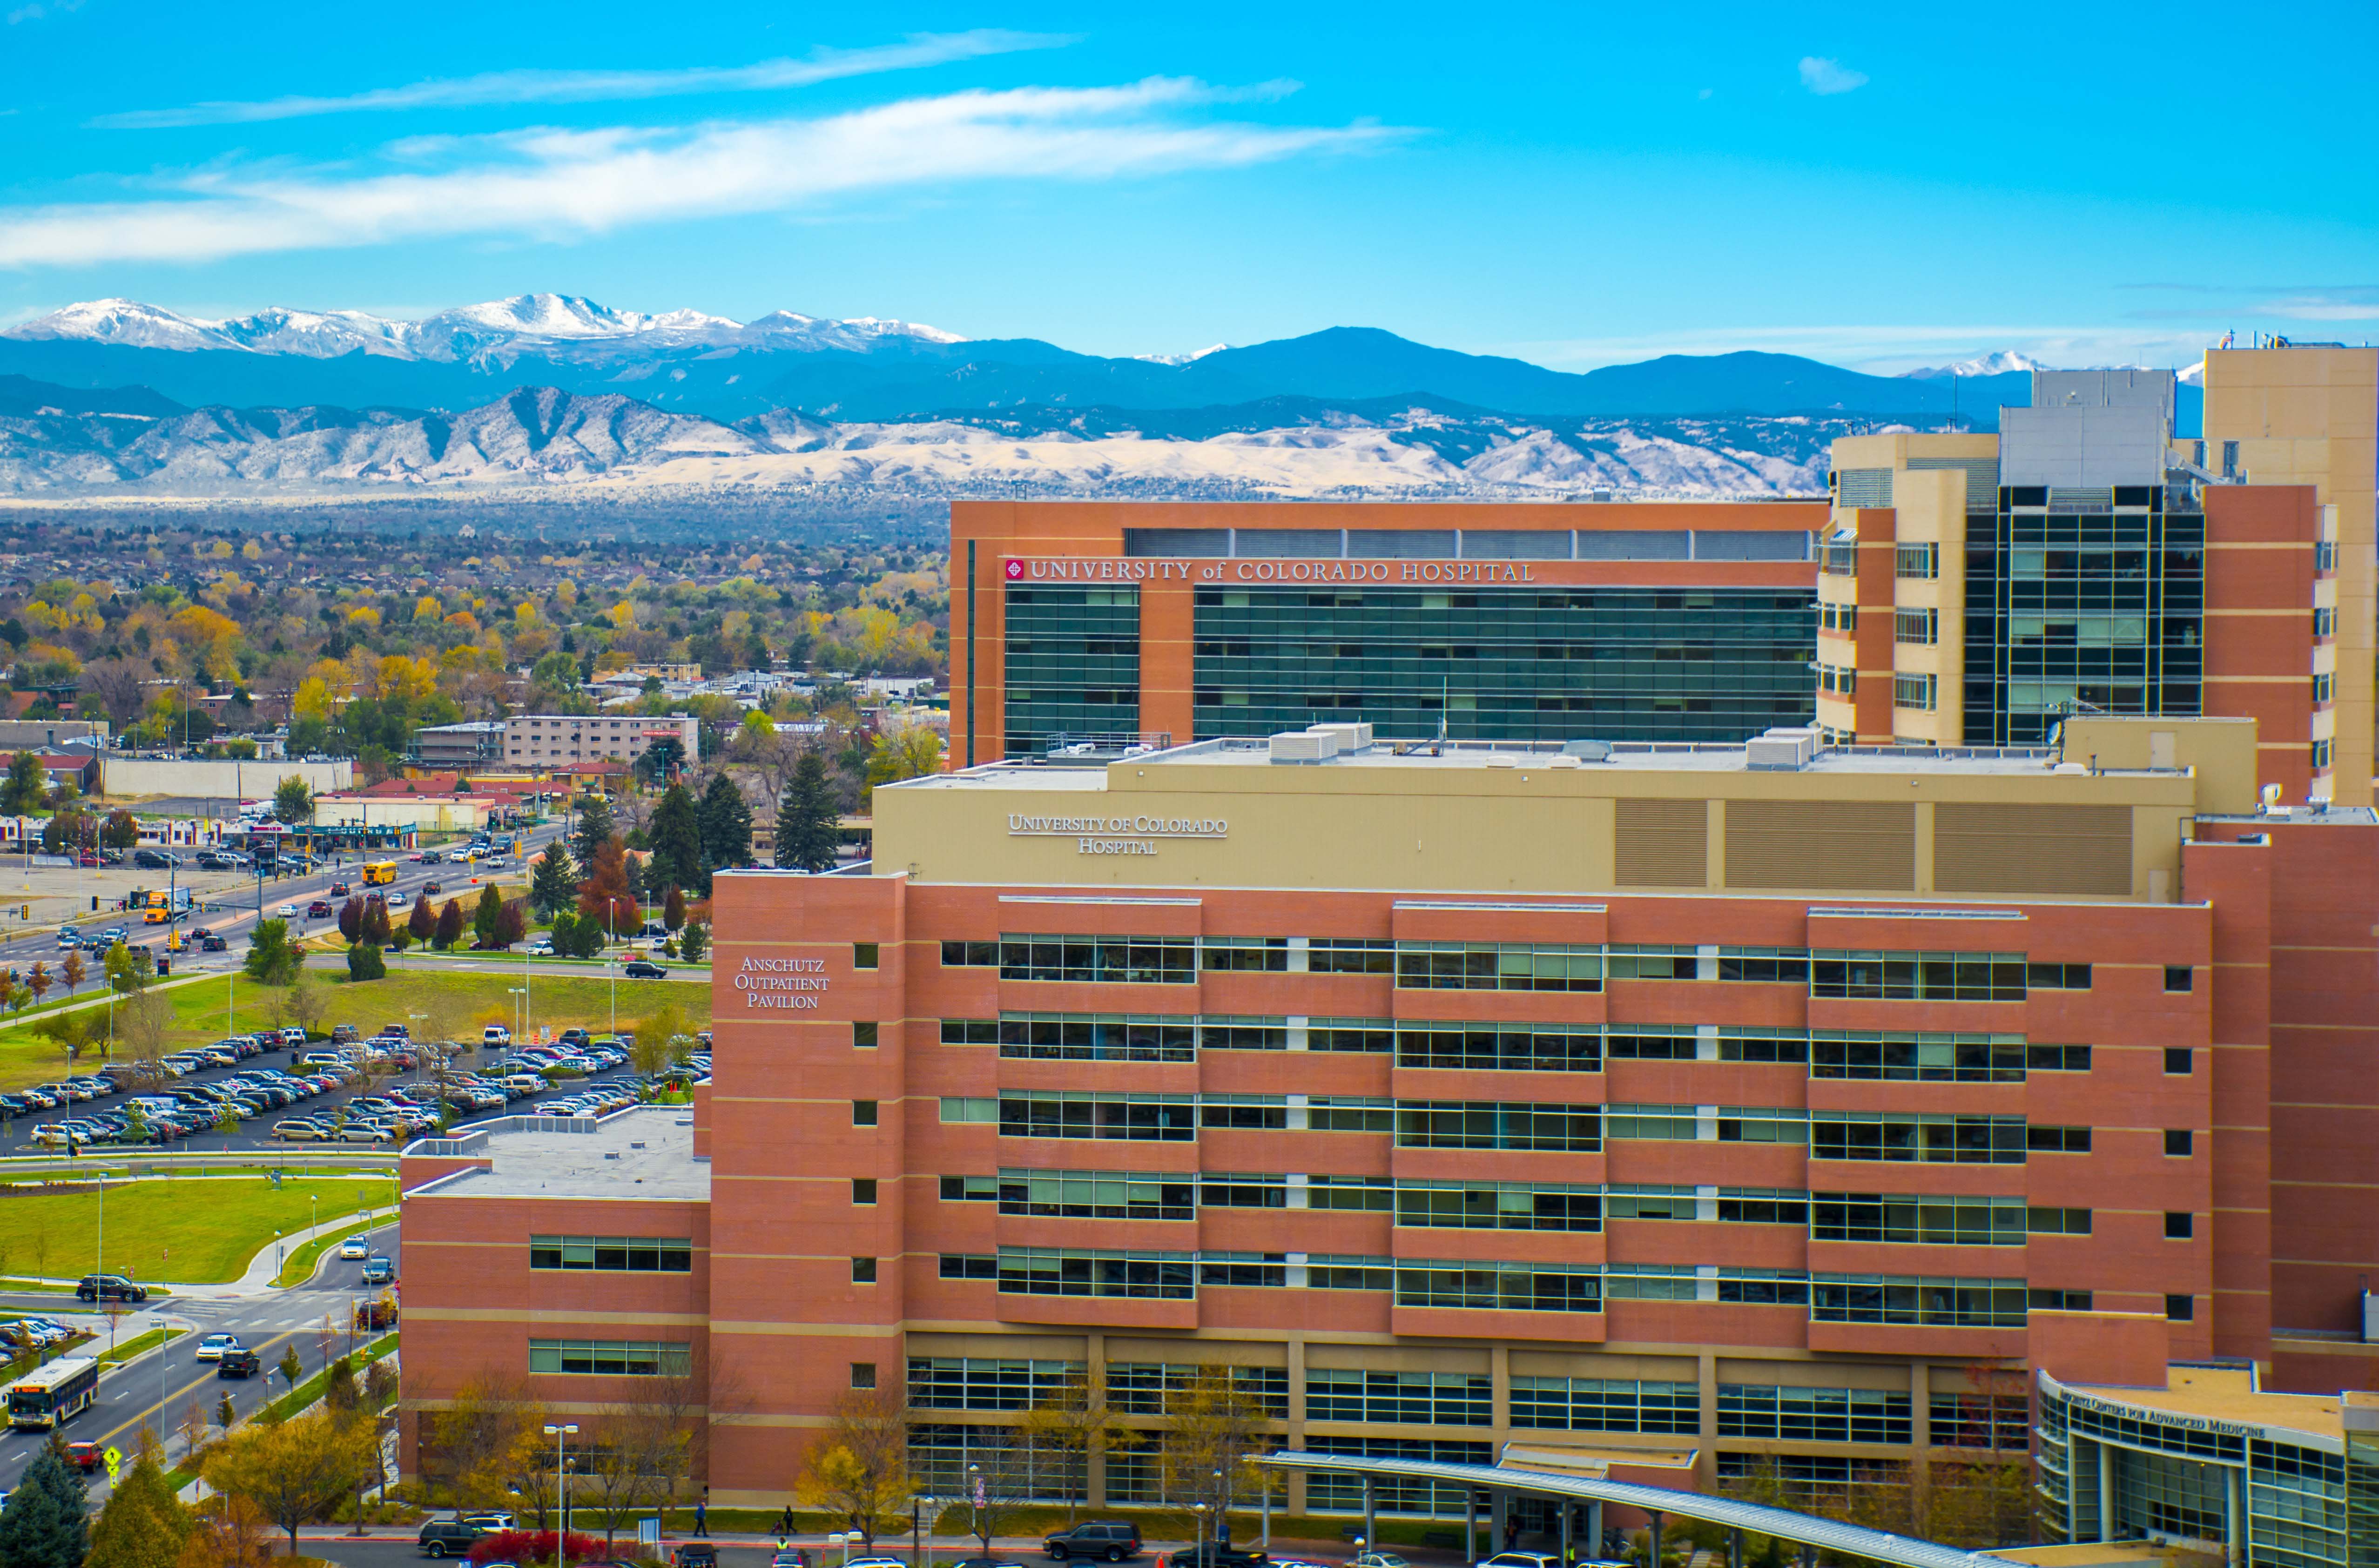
378 873
53 1394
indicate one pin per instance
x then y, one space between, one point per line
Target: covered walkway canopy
1810 1533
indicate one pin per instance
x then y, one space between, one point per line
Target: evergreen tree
449 925
143 1525
672 910
47 1521
22 791
511 923
376 928
594 828
553 886
484 918
363 962
692 943
806 819
423 922
351 919
726 819
677 841
272 959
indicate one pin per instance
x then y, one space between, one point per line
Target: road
158 1388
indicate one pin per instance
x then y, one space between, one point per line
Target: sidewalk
266 1266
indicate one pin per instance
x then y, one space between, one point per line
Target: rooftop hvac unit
1587 751
1353 737
1304 746
1780 751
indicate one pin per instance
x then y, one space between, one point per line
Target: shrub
533 1546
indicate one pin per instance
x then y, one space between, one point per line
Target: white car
287 911
355 1247
495 1034
212 1348
541 949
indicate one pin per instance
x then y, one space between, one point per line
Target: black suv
110 1287
238 1364
1110 1540
453 1538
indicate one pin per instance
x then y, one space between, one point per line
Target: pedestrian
1511 1531
785 1525
702 1513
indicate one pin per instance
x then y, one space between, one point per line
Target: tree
691 943
511 923
808 818
70 829
290 1470
47 1521
660 1043
228 1532
120 831
1073 1420
604 898
365 962
484 916
144 1023
473 1447
859 1471
128 969
293 803
552 882
594 828
39 981
905 751
421 925
664 758
629 1472
70 1032
676 835
351 919
306 1003
1213 1426
74 971
143 1525
22 791
375 922
672 910
725 818
449 925
272 959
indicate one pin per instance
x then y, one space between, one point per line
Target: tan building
551 741
1973 589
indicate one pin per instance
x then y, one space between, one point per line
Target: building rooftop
646 1153
2227 1396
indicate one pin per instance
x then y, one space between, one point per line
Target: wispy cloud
36 11
587 87
1826 77
2285 302
567 184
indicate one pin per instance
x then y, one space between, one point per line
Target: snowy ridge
2003 362
523 322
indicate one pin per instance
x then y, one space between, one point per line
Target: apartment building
1698 1111
554 740
1095 626
1975 588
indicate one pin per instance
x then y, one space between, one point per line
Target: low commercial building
1729 1113
468 745
551 741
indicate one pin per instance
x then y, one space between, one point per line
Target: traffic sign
115 1460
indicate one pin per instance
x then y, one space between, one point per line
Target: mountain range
113 396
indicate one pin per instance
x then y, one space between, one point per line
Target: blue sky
1574 185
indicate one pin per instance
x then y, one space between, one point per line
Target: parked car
496 1035
453 1536
110 1287
154 860
238 1364
695 1554
1109 1540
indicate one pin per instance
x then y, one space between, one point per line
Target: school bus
378 873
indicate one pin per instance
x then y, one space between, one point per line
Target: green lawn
187 1230
208 1009
300 1266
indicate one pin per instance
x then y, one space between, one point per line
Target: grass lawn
125 1349
208 1009
300 1267
193 1230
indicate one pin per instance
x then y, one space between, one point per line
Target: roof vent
611 1153
1780 751
1304 746
1587 751
1564 761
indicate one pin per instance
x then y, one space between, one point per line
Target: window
2057 977
1049 1270
863 1189
1923 977
2179 1141
2056 1222
1133 960
1497 966
1255 954
608 1357
613 1254
1930 1057
1814 1415
2056 1140
2178 977
1099 1195
1138 1388
1519 1287
1914 692
1974 1419
864 955
1907 1137
2179 1060
862 1113
1094 1037
1497 1205
1500 1047
970 1190
1959 1303
979 1383
2057 1058
2322 753
970 1031
1917 560
2058 1300
962 1266
2179 1225
955 1108
1167 1118
1838 680
862 1035
2180 1308
1607 1404
970 955
863 1270
1842 618
1446 1399
2324 688
1454 1124
1350 955
1920 626
1940 1221
2324 623
2229 460
863 1375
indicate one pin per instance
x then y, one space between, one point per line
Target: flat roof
646 1153
2228 1395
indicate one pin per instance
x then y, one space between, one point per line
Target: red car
319 910
85 1456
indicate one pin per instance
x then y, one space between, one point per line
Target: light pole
1221 1511
561 1492
276 1254
974 1504
918 1508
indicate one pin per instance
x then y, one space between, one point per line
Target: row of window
1451 1204
1928 1138
1531 1288
613 1254
1938 1055
1517 966
1467 1399
611 1357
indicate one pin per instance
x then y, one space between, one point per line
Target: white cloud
566 183
583 87
1825 78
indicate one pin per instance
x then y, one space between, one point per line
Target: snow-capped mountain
2006 361
1189 359
526 323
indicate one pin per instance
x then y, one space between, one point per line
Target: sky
1574 185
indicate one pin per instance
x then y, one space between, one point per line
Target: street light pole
561 1492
